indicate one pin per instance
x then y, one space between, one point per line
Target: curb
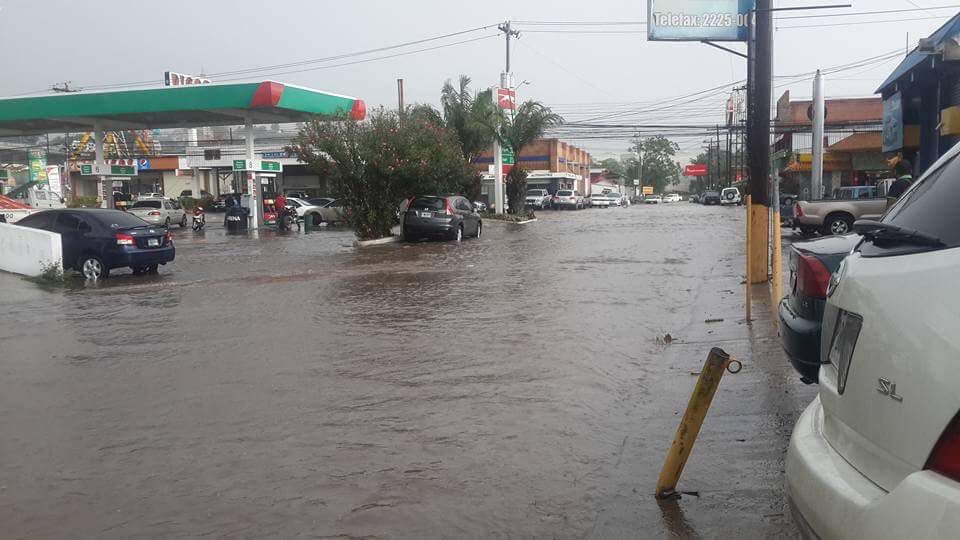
377 242
510 222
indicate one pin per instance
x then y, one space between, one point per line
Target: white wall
25 251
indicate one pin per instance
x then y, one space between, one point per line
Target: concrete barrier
28 251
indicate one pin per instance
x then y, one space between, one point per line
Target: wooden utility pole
759 92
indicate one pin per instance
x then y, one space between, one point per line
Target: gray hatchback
450 217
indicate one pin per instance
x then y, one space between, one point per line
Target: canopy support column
253 183
99 164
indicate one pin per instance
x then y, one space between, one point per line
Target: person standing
904 173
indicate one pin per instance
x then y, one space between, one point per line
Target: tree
469 116
614 167
659 167
520 129
376 163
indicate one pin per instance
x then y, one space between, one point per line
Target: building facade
552 163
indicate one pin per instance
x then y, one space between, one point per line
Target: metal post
819 113
640 160
99 164
717 362
253 183
749 296
400 96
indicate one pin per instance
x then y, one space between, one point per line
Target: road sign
698 20
636 182
509 158
98 169
648 190
506 98
257 165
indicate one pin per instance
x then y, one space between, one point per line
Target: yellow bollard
713 368
748 295
777 262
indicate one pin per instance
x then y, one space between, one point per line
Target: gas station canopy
267 102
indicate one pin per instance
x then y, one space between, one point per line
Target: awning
916 57
267 102
871 141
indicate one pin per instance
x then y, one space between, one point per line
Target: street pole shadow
674 521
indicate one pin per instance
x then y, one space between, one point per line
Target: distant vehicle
304 208
479 207
568 199
150 195
671 198
730 196
710 197
449 217
801 311
836 216
159 212
320 201
95 241
537 198
189 193
652 199
695 198
220 203
599 200
615 198
121 200
333 212
877 453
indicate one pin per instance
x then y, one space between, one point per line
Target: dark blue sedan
95 241
801 311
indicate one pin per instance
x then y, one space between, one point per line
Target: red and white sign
506 98
172 78
697 169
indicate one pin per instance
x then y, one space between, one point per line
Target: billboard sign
38 165
697 169
53 177
172 78
648 190
893 123
698 20
506 98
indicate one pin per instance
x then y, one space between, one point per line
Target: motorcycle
199 219
287 218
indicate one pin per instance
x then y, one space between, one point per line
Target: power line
859 23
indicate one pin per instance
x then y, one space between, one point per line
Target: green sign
272 166
508 157
123 170
4 175
86 170
239 164
257 165
38 165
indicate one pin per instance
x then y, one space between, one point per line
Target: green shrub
51 272
88 201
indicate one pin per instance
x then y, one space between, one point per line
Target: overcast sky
580 74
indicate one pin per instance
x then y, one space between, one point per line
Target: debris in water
713 320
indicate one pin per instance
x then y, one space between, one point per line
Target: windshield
564 193
146 204
119 220
930 206
711 193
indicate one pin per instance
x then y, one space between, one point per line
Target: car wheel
183 222
838 224
153 268
92 267
479 229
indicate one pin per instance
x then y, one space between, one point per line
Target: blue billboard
698 20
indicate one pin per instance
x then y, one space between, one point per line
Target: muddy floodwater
294 386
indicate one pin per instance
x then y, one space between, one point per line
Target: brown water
291 385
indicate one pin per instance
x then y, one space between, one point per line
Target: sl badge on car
888 388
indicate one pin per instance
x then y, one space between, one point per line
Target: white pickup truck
836 215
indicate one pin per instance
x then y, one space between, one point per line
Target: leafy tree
614 167
519 129
659 166
376 163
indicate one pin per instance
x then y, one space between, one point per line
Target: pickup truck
836 215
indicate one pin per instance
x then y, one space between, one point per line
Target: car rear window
119 220
564 193
536 192
428 203
146 204
931 206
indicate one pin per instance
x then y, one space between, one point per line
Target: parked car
615 198
537 198
569 199
695 198
480 207
149 195
811 264
189 193
877 453
303 208
652 199
333 212
599 200
730 196
836 216
447 216
220 203
671 198
320 201
710 197
297 194
95 241
159 212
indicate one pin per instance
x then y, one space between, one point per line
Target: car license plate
153 242
426 214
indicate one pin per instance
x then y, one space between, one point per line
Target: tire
92 267
479 229
153 268
837 224
183 222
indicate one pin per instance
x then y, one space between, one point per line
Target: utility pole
498 186
400 98
640 160
505 28
719 177
816 175
759 88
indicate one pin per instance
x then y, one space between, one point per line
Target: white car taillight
945 457
842 344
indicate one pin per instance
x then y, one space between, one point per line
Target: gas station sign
648 190
104 169
257 165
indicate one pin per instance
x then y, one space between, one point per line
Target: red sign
506 98
697 169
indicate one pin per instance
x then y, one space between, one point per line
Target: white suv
877 454
730 195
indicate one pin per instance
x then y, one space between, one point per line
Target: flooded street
293 385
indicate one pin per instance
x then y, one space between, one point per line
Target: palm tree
520 129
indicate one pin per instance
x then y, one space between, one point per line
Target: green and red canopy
267 102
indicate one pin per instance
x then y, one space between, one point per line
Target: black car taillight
945 457
812 276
